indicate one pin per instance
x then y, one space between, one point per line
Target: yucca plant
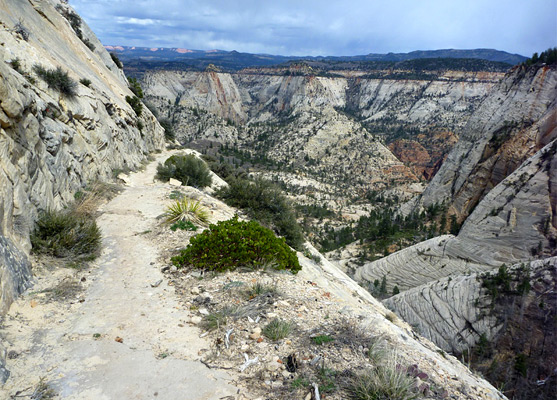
186 209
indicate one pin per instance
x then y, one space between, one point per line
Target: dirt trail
60 340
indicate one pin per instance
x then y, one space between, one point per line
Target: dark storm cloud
325 28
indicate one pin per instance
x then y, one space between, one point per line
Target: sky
325 27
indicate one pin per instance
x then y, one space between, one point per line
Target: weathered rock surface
515 222
51 144
512 123
15 273
451 312
492 318
284 116
259 95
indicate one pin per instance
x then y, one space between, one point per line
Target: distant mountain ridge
237 60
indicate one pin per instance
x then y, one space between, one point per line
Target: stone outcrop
51 144
491 319
400 335
262 94
327 128
515 222
512 123
452 312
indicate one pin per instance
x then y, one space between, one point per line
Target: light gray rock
511 125
15 272
451 312
52 145
514 222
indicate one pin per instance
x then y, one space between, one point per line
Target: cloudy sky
325 27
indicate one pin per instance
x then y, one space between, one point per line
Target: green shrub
116 60
214 321
168 129
183 226
66 234
135 87
88 43
85 82
232 244
16 64
277 329
321 339
258 289
135 103
185 209
265 202
57 79
189 170
20 29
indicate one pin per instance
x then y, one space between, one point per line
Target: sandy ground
123 336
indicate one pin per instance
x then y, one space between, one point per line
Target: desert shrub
183 226
88 43
66 234
383 382
188 169
116 60
57 79
75 22
16 64
85 82
231 244
277 329
168 129
135 103
20 29
135 87
72 17
214 320
185 209
322 339
265 202
259 288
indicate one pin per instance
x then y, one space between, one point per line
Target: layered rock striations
455 312
515 121
514 222
52 144
267 99
493 319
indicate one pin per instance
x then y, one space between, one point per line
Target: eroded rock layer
515 121
515 222
52 144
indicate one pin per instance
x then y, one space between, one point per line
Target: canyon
480 146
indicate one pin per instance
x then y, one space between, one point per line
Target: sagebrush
66 234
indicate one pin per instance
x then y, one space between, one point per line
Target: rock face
329 129
513 123
498 315
451 312
500 169
51 144
515 222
